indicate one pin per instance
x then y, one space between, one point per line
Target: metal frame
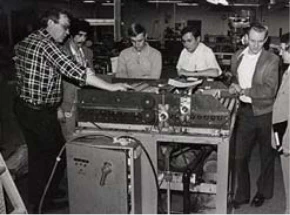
150 141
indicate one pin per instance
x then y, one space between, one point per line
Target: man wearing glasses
40 64
140 60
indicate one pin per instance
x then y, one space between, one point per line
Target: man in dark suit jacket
75 48
255 81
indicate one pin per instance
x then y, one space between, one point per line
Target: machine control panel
151 105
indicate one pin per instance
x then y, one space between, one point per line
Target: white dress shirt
246 72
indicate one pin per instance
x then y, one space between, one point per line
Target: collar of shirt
44 33
245 52
78 53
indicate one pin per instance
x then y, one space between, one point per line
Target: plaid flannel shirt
39 64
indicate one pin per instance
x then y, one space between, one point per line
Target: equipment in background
155 106
8 187
104 176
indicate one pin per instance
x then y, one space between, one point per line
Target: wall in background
158 17
276 19
155 17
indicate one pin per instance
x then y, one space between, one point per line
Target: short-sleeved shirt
40 63
202 58
144 64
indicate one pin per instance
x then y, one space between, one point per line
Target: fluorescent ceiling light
164 1
110 4
89 1
100 22
187 4
222 2
245 5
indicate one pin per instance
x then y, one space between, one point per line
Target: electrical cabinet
103 177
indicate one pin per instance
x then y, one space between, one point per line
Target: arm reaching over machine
94 81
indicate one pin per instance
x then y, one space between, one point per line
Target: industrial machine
104 176
153 106
198 117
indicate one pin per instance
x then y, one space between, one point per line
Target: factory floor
11 138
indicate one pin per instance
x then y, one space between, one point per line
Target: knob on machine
148 116
148 102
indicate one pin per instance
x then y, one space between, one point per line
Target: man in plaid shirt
40 65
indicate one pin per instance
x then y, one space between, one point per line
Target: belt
40 107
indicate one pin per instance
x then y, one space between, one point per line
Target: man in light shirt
255 81
196 59
141 60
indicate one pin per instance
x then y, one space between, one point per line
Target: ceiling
232 3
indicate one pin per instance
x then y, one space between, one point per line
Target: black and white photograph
144 106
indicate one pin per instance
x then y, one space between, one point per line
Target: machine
103 176
167 120
155 106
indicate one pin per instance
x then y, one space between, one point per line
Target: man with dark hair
281 116
255 81
79 32
140 60
196 59
74 47
40 64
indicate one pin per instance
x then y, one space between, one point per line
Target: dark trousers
252 129
44 140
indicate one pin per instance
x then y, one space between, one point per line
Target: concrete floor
11 138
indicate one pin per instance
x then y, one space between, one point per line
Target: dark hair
189 29
78 25
285 38
136 29
53 14
258 27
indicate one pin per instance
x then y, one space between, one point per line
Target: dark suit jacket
264 82
69 86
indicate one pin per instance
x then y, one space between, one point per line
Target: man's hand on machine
235 89
120 87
